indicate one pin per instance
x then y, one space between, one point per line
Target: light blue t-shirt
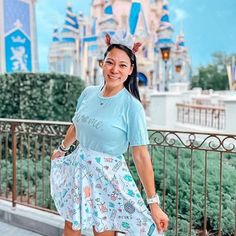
109 124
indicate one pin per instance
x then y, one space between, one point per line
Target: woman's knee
105 233
68 231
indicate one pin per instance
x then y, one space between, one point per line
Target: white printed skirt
90 188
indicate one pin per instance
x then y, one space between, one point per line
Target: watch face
154 199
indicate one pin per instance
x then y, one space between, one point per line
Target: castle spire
71 26
165 29
71 21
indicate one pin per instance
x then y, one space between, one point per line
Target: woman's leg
106 233
68 231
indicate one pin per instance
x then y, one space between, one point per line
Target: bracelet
63 148
154 199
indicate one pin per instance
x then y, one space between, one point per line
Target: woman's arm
69 139
70 136
144 168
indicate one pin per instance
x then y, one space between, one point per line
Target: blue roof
89 39
165 7
133 17
55 39
108 10
165 18
68 40
71 21
164 41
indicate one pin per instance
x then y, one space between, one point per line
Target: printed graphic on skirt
90 188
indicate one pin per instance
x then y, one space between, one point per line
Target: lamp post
95 75
164 43
178 68
178 65
165 53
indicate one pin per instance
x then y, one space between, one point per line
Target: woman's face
116 68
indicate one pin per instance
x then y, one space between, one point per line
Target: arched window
142 79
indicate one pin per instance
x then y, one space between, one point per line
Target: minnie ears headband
124 39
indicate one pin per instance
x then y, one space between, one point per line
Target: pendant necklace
102 100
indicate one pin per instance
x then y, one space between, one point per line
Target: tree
213 76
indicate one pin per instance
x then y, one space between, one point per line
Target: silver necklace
102 100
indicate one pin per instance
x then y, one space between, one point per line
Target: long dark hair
131 82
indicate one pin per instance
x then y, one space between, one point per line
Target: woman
92 187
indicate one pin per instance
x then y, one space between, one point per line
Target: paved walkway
9 230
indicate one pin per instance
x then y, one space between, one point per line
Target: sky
209 26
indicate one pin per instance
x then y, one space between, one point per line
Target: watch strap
154 199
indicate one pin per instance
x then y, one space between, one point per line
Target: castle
78 46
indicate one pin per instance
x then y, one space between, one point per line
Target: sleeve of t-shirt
137 127
82 96
80 99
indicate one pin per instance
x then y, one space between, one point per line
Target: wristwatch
154 199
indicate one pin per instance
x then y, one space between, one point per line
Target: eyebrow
120 61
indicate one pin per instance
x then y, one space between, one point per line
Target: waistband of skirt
94 152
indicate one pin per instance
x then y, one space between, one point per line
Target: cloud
180 15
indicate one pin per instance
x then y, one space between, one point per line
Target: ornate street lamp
178 68
164 43
165 53
178 65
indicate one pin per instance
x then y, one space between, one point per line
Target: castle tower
164 45
18 47
64 50
181 60
141 18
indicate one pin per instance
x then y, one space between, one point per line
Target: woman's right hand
56 154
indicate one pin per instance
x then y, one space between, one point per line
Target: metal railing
207 116
195 173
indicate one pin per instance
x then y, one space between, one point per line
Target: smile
113 77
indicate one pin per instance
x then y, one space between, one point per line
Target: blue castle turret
165 30
70 28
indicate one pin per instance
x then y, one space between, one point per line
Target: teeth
112 77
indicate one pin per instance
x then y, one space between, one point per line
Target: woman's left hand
160 218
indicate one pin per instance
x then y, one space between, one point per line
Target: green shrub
39 96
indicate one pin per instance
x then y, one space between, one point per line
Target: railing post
230 124
14 187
